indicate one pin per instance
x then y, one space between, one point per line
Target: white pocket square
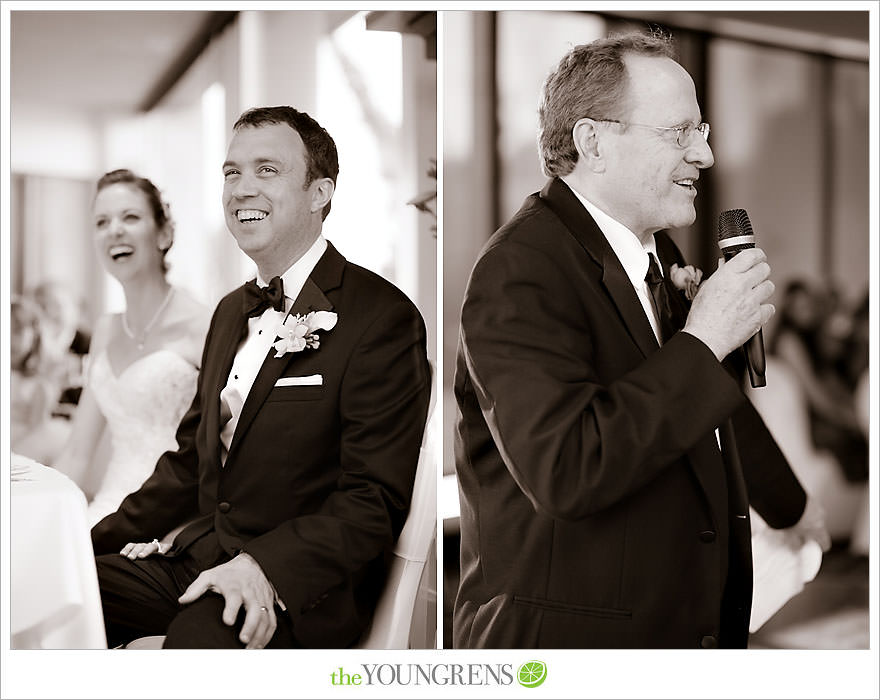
311 380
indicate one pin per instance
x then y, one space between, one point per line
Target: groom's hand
241 582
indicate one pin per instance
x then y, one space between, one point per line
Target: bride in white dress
143 363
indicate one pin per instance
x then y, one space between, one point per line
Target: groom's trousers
139 598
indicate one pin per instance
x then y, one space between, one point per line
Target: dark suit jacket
596 510
318 479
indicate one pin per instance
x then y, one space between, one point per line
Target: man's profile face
650 180
267 207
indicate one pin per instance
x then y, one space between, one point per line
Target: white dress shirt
260 337
631 253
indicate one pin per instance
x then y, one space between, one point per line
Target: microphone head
734 232
733 223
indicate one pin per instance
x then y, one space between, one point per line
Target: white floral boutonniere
300 332
687 279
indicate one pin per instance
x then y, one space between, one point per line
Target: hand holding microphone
734 236
730 309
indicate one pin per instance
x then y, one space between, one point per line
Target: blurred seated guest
65 343
144 361
785 412
859 543
809 339
30 395
840 434
803 361
79 349
860 376
856 354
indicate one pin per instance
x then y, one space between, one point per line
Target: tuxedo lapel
621 291
557 195
311 298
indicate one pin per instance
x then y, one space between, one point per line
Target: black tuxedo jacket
318 479
596 507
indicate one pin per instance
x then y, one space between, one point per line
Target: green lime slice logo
532 673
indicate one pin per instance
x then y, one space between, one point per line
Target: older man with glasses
599 507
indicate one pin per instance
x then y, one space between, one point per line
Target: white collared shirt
631 253
261 335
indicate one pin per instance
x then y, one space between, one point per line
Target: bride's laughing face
128 241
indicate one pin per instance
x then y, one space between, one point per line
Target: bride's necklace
141 338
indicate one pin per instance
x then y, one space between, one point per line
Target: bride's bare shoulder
186 308
103 331
186 326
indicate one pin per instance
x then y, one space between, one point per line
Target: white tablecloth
55 602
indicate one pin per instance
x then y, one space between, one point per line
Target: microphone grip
735 235
756 360
754 346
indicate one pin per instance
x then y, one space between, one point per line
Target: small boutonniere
300 332
687 279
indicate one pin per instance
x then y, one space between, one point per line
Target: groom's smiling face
270 210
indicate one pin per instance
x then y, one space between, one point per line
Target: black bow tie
258 299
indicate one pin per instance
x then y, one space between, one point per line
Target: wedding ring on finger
264 609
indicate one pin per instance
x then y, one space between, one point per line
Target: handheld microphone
734 235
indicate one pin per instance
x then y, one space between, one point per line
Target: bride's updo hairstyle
160 209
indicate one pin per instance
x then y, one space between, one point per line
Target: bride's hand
141 550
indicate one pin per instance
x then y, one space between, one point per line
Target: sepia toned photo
615 474
425 349
223 295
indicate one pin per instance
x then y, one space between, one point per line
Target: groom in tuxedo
296 460
597 507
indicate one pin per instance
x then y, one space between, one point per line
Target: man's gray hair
589 81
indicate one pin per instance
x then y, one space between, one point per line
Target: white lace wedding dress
143 406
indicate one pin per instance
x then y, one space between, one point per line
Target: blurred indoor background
158 92
786 94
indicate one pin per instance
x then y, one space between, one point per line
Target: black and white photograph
439 349
223 294
613 492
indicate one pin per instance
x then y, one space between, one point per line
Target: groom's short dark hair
322 159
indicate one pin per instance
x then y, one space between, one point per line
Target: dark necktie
258 299
660 299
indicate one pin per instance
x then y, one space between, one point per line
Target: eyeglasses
683 134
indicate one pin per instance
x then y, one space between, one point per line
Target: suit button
709 642
224 507
707 536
